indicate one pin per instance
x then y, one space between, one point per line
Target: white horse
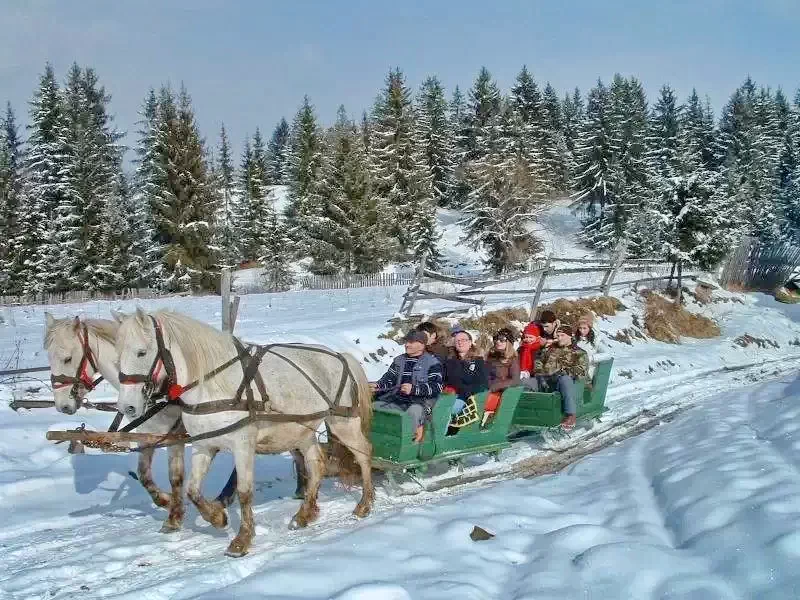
290 395
79 351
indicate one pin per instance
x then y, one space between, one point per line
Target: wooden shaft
111 437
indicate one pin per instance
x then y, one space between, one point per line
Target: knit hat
565 329
456 329
532 329
586 319
416 336
506 333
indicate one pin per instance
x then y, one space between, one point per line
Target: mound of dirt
667 322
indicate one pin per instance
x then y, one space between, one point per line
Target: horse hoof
169 528
296 523
236 549
219 520
299 496
362 511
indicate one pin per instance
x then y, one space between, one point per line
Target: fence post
615 266
539 288
230 309
410 296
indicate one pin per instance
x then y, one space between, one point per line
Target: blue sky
249 62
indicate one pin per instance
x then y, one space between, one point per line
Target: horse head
74 363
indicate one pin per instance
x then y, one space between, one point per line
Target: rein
250 358
81 377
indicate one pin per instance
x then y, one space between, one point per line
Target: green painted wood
392 435
536 410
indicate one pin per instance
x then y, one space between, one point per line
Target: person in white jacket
587 340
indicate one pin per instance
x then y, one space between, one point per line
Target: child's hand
405 389
524 374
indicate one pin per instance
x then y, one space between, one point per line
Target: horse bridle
81 377
163 359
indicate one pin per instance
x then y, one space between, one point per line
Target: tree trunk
680 283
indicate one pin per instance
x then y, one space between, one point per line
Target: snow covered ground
703 507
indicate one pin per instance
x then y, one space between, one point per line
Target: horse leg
348 432
176 471
302 474
244 456
146 478
213 512
315 463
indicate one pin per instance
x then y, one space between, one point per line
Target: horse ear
117 315
141 316
49 320
76 323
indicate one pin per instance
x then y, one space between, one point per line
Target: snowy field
705 506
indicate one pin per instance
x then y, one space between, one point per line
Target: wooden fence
78 296
755 265
475 289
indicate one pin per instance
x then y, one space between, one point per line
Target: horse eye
141 353
67 360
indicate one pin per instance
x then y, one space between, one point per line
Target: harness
81 377
258 409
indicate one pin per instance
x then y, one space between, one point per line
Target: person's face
432 337
529 338
583 329
501 343
549 327
415 348
563 339
462 343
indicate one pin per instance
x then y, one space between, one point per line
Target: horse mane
203 347
102 328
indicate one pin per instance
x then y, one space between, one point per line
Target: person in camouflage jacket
558 367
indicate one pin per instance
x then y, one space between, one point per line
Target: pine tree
225 218
10 201
247 236
36 245
596 182
278 155
90 180
400 171
457 111
436 137
573 112
482 111
122 266
276 258
554 146
344 238
305 157
184 209
529 127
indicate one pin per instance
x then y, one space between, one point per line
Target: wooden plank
31 404
594 288
578 270
450 297
225 292
539 287
11 372
112 437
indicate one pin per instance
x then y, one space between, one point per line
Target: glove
524 375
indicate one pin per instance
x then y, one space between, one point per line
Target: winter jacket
439 350
560 360
503 374
423 373
467 377
595 351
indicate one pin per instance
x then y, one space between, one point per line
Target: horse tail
363 394
342 458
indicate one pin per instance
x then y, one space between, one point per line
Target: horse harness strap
260 410
81 376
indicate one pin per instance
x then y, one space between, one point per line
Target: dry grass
400 327
667 322
746 340
568 311
784 295
702 293
627 335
